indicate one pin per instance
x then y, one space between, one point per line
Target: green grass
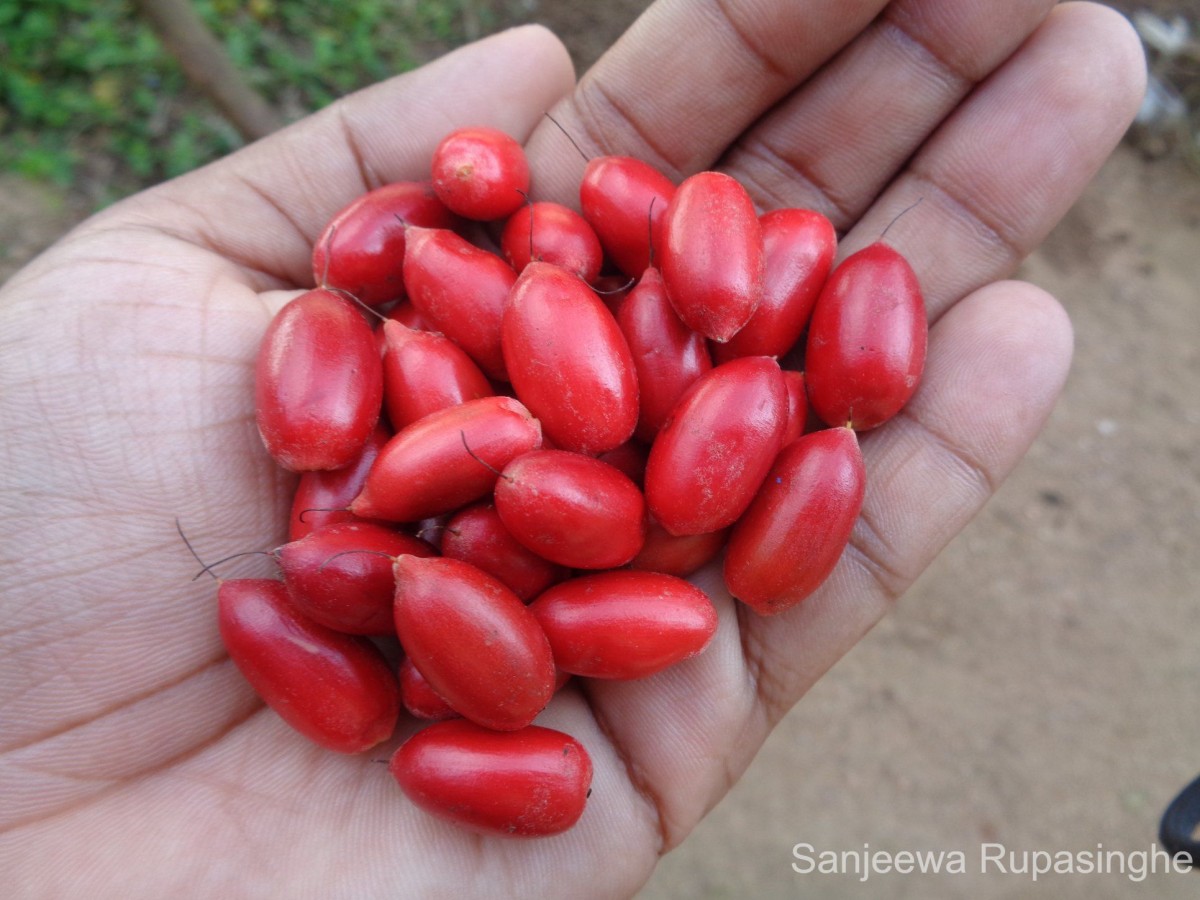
87 92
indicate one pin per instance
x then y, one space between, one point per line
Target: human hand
134 758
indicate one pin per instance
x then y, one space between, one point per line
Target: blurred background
1034 689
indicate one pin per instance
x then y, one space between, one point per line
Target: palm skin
134 759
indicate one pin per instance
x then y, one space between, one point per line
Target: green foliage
87 90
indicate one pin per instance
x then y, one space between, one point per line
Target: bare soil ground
1035 688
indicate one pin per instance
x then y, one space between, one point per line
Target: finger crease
753 48
894 29
592 90
863 554
369 180
993 232
832 207
632 772
766 682
118 707
976 471
266 197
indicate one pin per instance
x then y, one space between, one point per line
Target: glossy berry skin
473 640
569 362
318 383
477 535
462 290
794 532
866 340
573 510
712 255
711 456
333 581
335 689
625 200
418 698
361 250
480 173
624 624
667 354
425 372
798 249
678 555
446 460
528 783
553 233
322 497
797 415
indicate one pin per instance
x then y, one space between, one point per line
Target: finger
1002 171
839 139
687 78
997 363
265 205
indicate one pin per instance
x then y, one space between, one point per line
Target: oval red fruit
797 416
341 575
553 233
798 249
572 509
678 555
712 255
477 535
361 250
424 372
713 453
568 361
528 783
866 340
473 640
667 354
318 383
335 689
480 173
323 497
794 532
624 624
462 290
625 200
446 460
419 699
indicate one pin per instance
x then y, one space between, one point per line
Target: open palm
135 761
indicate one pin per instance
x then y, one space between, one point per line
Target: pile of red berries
513 474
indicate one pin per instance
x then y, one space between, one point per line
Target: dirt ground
1034 689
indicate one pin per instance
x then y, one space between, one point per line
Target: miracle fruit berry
318 383
714 451
446 460
341 575
473 640
712 255
624 624
528 783
794 532
586 401
335 689
362 248
625 200
480 173
866 340
572 509
462 290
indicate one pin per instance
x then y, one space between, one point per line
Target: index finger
687 78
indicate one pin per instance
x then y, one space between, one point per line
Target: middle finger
837 141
